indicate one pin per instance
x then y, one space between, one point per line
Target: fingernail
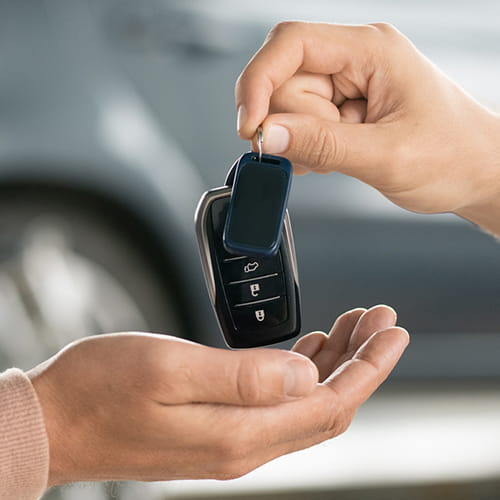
276 139
241 117
404 339
300 378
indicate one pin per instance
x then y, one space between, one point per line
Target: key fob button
259 316
239 269
256 289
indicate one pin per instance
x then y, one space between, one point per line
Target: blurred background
115 115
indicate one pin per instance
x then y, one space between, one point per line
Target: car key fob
255 297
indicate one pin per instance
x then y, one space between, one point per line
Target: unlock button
255 290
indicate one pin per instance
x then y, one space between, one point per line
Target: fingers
348 333
312 47
355 380
306 93
328 411
194 373
377 318
200 374
320 96
334 347
271 431
238 439
353 111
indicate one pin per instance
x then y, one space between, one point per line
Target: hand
363 101
151 407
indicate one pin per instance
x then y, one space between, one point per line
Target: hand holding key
361 100
153 407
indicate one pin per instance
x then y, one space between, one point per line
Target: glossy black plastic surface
256 299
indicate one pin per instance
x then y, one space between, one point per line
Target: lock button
260 315
256 289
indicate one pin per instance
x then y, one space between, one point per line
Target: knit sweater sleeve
24 447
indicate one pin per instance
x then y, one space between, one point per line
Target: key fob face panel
256 299
258 204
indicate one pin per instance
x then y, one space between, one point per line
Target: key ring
260 140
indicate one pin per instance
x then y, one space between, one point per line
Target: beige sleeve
24 447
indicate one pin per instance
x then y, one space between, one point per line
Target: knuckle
387 38
341 424
381 38
338 420
284 27
290 30
332 417
248 381
372 363
325 149
384 29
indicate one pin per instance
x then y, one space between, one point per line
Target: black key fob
255 297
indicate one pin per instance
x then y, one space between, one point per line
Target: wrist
483 206
51 417
486 215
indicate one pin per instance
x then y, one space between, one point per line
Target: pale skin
363 101
151 407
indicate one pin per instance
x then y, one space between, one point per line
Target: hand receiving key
153 407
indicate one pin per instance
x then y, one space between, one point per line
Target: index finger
292 46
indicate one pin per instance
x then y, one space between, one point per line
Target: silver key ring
260 140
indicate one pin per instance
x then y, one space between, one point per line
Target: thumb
322 146
255 377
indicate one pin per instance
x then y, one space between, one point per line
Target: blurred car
97 202
116 115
